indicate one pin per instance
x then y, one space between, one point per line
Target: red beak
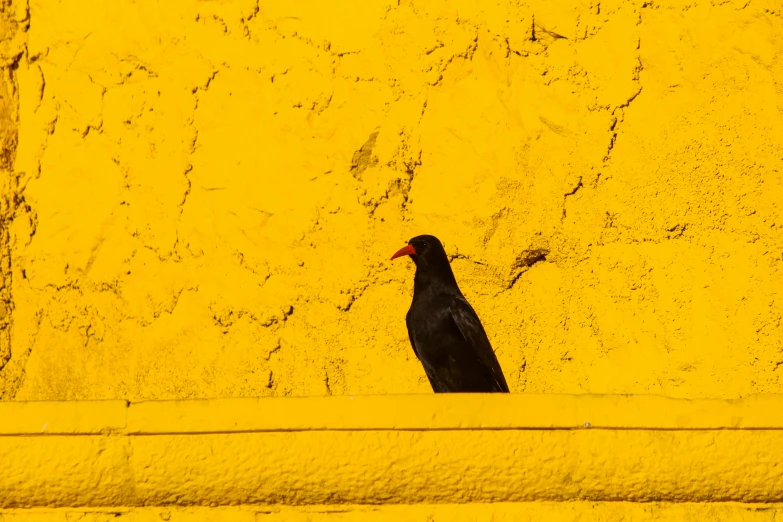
405 251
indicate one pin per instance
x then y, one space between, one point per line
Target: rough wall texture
13 22
212 190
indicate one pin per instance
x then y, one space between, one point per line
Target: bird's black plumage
445 332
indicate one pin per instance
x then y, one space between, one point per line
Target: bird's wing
471 329
436 383
411 336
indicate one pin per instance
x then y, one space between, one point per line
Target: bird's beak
404 251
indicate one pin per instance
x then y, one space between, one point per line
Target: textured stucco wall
13 18
208 194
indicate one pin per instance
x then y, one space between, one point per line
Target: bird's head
424 251
432 264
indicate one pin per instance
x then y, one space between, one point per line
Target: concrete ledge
63 418
390 450
499 512
390 412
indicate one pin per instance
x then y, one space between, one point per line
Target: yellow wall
200 199
209 192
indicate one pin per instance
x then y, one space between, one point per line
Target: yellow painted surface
502 512
200 198
206 194
390 412
103 455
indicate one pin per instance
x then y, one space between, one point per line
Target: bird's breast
433 329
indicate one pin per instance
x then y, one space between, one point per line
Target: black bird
445 332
